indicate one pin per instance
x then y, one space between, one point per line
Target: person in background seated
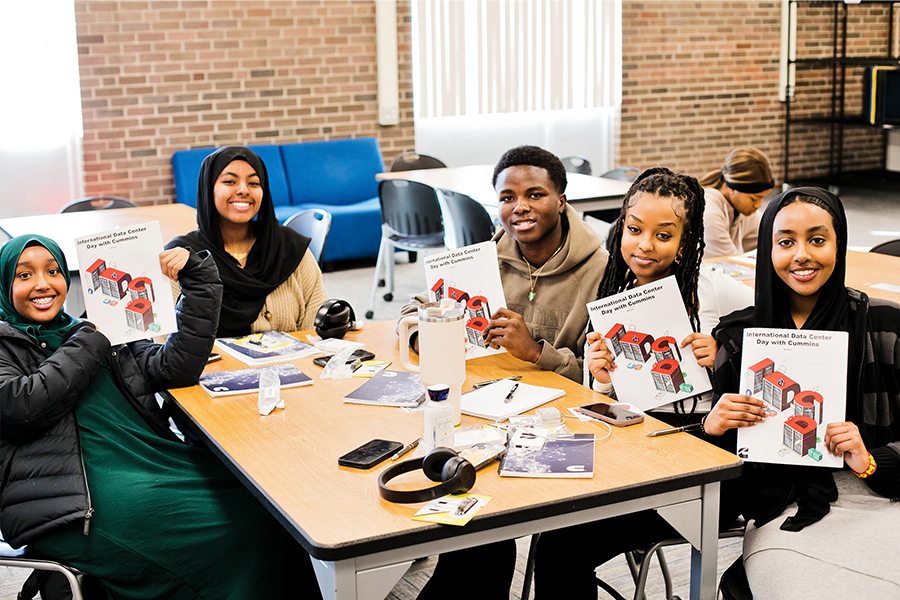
272 281
550 264
814 532
734 194
93 477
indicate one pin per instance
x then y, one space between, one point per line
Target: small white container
438 418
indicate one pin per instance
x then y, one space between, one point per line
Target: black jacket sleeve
180 361
32 402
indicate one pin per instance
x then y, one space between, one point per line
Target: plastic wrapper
269 392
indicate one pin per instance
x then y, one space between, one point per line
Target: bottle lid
438 392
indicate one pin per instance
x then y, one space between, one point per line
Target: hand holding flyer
801 375
642 330
125 293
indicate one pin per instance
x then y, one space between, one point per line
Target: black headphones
334 319
456 475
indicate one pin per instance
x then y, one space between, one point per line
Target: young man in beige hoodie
551 264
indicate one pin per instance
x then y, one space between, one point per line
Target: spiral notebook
489 402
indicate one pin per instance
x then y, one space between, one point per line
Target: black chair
411 221
410 161
577 164
891 248
623 173
732 586
97 203
466 222
314 223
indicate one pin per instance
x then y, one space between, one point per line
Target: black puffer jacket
42 478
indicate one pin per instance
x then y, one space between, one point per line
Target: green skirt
170 521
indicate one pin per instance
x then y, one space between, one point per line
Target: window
488 75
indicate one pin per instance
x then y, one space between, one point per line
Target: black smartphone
357 354
369 454
213 357
611 414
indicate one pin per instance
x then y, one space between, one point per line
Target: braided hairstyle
688 203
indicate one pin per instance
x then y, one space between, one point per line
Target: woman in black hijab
271 280
843 514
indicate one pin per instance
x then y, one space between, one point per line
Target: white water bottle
438 418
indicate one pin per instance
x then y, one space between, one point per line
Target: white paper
644 328
784 366
470 275
125 293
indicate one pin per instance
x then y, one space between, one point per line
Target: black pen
481 384
511 392
406 449
659 432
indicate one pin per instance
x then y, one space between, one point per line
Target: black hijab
772 307
771 488
272 259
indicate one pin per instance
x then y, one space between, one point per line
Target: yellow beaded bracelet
869 470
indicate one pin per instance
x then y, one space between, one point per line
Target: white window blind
530 58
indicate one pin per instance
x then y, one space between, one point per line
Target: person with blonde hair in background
734 195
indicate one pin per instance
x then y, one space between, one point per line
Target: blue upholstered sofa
336 175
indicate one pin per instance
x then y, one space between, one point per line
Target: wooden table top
289 458
475 181
174 220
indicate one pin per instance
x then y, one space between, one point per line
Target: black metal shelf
837 118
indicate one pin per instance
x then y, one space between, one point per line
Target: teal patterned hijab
53 332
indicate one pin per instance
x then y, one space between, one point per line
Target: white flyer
802 377
470 275
644 327
126 295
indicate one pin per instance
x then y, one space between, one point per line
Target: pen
511 392
405 449
481 384
659 432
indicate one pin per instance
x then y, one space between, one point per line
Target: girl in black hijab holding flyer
812 531
272 282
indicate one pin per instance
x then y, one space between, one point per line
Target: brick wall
161 76
699 78
702 77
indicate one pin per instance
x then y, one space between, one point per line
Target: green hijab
53 332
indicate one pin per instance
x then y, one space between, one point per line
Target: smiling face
651 237
530 207
237 193
744 203
804 249
39 287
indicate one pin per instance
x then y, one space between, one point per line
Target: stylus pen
481 384
690 427
510 394
406 449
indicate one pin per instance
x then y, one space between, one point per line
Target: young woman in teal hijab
54 330
91 474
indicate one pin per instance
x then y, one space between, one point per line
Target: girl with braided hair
659 232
